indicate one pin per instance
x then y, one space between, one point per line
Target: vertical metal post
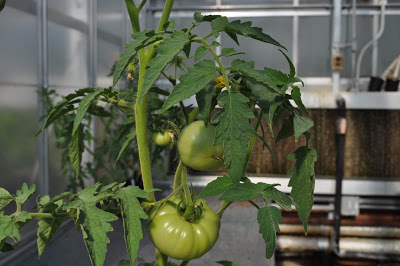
336 37
43 140
93 43
295 38
93 66
374 59
353 42
218 49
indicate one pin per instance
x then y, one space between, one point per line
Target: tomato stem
161 259
178 176
224 206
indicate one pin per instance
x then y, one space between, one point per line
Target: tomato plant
181 225
181 239
196 147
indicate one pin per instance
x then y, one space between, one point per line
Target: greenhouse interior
214 132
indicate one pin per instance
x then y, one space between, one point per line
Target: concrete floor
239 241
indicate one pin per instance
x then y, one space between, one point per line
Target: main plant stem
142 134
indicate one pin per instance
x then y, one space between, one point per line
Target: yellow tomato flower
220 82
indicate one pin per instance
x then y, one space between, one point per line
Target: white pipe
361 55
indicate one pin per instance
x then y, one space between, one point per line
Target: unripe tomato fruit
180 239
162 138
196 147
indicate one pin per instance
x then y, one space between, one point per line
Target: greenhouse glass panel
314 47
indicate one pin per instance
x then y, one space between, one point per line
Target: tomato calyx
191 213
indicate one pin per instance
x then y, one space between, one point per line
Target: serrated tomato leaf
76 148
132 212
83 107
200 52
94 222
232 131
5 198
46 231
241 192
278 77
247 30
286 130
303 181
296 96
191 83
217 187
301 124
268 218
130 51
129 138
247 69
166 51
24 193
283 200
229 52
8 228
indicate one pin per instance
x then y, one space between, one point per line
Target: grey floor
239 241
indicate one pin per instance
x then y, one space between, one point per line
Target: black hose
340 141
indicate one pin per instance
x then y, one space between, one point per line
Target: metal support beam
43 140
336 40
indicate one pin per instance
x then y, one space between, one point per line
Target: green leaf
215 44
256 33
198 17
25 193
186 49
276 76
63 107
130 137
23 217
229 52
76 148
204 100
232 131
301 124
247 69
241 192
42 200
227 263
200 52
93 221
5 198
279 197
83 107
132 212
216 187
130 51
196 79
8 228
219 24
303 181
268 218
46 231
296 96
286 130
292 69
265 144
98 111
166 51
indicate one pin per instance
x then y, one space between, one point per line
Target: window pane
314 47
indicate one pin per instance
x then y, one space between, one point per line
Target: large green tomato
196 147
180 239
